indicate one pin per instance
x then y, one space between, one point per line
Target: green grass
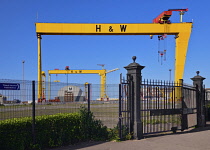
108 113
174 119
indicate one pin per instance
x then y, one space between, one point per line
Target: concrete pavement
193 139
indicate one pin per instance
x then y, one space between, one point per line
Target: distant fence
58 97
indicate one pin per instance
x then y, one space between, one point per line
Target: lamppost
23 90
67 94
169 75
67 68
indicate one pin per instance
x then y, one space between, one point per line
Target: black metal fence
164 106
160 106
13 100
58 97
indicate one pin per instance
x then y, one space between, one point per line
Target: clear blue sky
18 39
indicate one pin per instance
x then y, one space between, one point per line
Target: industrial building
71 93
2 99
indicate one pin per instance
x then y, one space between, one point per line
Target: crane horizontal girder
110 29
77 71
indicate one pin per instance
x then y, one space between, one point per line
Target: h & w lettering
123 28
98 28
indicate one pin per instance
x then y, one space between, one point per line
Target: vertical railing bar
120 113
157 101
155 104
88 97
165 106
149 104
143 106
160 102
146 105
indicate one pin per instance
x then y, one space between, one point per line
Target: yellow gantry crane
181 31
102 73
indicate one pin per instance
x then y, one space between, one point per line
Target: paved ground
194 139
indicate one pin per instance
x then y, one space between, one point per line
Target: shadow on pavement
92 143
79 145
190 130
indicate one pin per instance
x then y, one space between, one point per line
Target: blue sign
9 86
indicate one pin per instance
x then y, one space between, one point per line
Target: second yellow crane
102 73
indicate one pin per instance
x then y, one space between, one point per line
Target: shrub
51 131
91 128
15 134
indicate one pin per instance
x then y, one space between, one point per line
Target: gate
160 106
164 106
124 110
168 106
189 106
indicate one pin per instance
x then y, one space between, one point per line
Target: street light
67 68
23 90
170 75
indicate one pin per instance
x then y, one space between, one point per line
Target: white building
71 93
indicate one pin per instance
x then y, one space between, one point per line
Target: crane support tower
43 87
181 31
102 73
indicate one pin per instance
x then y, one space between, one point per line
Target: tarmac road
194 139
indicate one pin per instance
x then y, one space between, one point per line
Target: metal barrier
17 102
160 108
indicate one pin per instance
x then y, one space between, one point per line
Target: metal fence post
89 97
33 112
200 99
120 112
134 75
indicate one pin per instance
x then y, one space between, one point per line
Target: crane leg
39 69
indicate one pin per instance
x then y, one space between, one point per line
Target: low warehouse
71 93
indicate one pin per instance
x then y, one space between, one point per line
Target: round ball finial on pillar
134 65
134 59
198 77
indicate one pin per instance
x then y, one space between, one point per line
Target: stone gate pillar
134 79
200 99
